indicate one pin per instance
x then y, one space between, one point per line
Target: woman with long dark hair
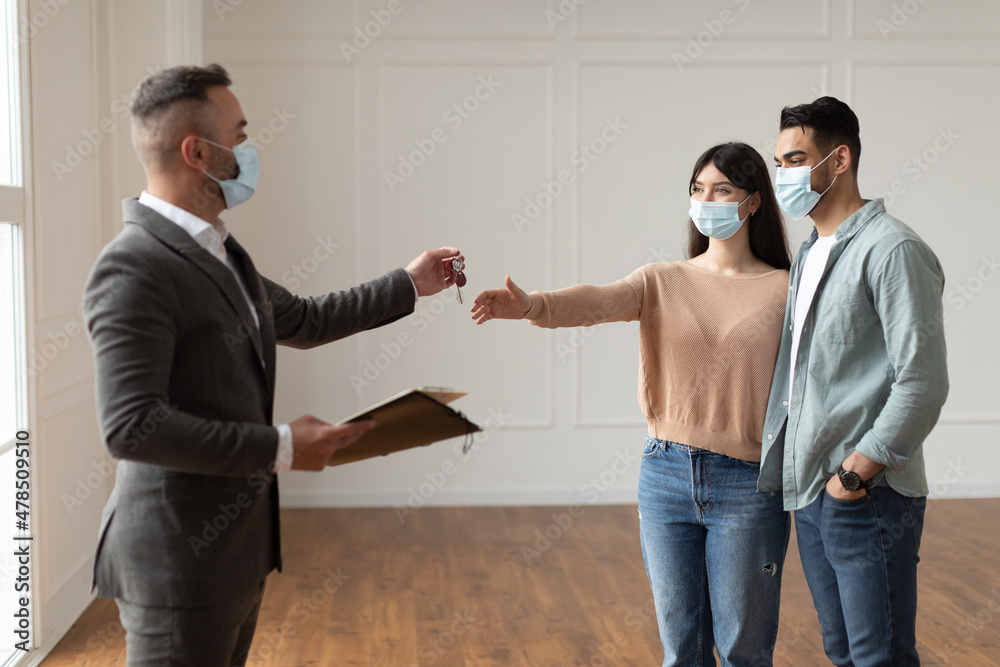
709 330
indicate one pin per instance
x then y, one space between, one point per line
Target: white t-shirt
812 271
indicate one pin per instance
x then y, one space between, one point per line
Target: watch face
850 480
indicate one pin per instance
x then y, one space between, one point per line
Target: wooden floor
452 587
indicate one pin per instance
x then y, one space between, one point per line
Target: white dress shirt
212 237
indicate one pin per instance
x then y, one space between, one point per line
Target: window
13 412
10 98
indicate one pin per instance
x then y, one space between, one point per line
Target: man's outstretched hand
314 441
431 271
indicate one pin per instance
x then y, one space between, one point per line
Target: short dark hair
745 168
831 122
161 90
169 104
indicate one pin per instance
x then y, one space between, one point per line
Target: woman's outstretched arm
577 306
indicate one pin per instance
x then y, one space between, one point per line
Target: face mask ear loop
743 221
829 186
205 171
232 151
834 176
826 158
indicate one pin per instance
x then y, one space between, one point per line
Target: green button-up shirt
871 373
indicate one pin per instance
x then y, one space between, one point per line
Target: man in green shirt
859 383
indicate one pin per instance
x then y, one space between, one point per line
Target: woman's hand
511 303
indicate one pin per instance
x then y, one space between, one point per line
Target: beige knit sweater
707 347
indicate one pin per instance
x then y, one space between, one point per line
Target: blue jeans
860 559
714 548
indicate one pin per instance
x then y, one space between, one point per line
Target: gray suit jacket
185 389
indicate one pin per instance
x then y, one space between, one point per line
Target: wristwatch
852 481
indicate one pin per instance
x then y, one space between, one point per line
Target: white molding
55 633
510 498
538 498
943 421
31 287
277 51
63 315
66 398
825 32
859 35
967 421
380 202
12 204
581 64
184 32
970 490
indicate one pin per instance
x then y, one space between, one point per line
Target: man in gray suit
184 331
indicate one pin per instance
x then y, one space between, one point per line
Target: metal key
456 268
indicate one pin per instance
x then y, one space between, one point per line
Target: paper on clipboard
410 419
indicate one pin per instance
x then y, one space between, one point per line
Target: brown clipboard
414 418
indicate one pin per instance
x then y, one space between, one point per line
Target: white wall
922 83
84 57
566 400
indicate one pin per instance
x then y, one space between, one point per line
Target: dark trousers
216 636
860 559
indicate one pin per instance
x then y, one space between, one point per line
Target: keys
456 268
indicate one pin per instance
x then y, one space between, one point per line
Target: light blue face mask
238 190
717 219
793 189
